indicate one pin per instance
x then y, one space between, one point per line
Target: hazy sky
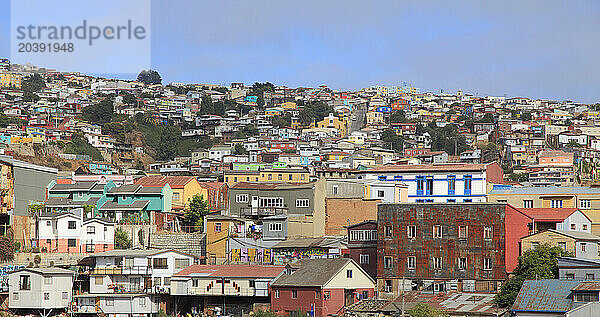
542 49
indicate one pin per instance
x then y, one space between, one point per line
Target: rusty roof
232 270
160 181
479 304
545 296
587 286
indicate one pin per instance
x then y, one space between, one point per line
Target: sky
540 49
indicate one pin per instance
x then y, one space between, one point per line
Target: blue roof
545 296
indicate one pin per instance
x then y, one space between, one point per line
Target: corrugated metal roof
545 296
550 190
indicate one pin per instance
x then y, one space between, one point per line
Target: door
348 297
254 205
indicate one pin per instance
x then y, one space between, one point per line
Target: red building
441 247
362 245
217 195
320 286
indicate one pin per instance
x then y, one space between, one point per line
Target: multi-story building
267 175
71 232
130 281
184 188
580 243
35 290
440 182
443 247
205 288
362 245
320 286
10 80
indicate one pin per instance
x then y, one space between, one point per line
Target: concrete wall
341 212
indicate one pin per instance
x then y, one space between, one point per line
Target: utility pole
402 292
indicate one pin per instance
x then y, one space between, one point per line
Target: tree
128 98
394 141
424 310
80 146
122 240
573 143
314 111
538 263
398 117
33 83
149 77
101 112
197 209
239 149
206 105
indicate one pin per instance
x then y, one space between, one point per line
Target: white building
40 289
217 152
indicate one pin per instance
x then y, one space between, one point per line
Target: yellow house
289 105
580 244
275 111
218 229
10 80
268 175
331 121
184 188
335 156
38 135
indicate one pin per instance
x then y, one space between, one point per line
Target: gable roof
160 181
548 214
312 272
545 296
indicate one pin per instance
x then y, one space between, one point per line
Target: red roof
233 270
212 185
548 214
160 181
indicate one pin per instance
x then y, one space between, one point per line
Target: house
184 188
218 229
553 297
40 290
578 269
71 232
320 286
331 121
443 247
267 175
217 152
204 288
440 182
362 245
130 281
582 244
215 194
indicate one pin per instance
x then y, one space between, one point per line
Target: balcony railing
126 288
130 270
216 291
262 211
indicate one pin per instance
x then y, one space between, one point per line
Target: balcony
119 270
262 211
217 291
121 288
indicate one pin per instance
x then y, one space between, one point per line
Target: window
527 203
562 245
586 297
91 229
364 259
175 196
387 262
47 280
462 263
277 226
348 273
195 282
270 176
302 203
289 177
380 194
317 294
46 296
582 246
570 276
487 232
72 225
365 294
468 200
468 183
429 184
585 227
388 231
159 263
334 190
556 203
589 276
573 227
16 296
181 263
24 283
279 177
327 295
65 295
437 263
411 262
585 204
71 243
437 232
294 293
276 293
534 245
109 302
451 184
302 176
252 283
462 232
276 202
411 232
241 198
217 227
99 280
420 185
157 281
142 301
387 286
487 264
451 200
48 223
